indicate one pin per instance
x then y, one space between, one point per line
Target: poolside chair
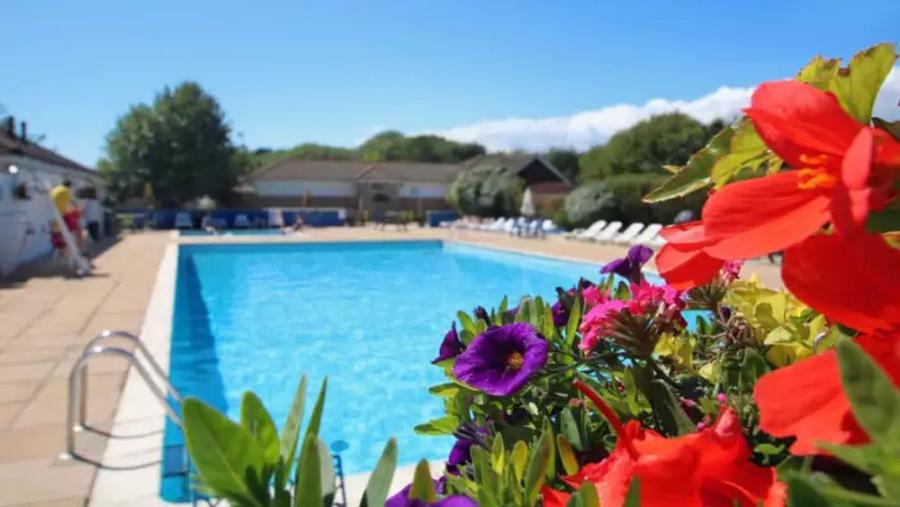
548 227
586 234
241 221
498 225
608 232
648 235
628 235
183 220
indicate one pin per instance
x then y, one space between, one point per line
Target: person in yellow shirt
71 214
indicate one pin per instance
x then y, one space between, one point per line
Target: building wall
25 223
423 190
298 188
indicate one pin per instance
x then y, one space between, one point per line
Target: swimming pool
233 232
370 316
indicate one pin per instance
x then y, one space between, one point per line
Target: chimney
24 131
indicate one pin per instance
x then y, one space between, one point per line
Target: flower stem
610 416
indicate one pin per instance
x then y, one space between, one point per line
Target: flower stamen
515 360
811 179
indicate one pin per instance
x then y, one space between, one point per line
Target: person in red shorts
71 214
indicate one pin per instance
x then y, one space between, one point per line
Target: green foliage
392 145
667 139
179 145
566 161
486 191
858 85
590 202
247 463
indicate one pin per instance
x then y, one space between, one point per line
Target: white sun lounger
628 235
607 233
586 234
183 221
648 235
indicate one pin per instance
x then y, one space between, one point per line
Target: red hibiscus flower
851 281
713 467
683 261
842 170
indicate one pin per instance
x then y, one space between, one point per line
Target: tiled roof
354 170
13 145
532 168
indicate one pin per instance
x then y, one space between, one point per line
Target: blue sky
504 72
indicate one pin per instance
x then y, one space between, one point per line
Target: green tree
667 139
486 191
564 160
180 145
392 145
590 202
264 157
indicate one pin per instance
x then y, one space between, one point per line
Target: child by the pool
61 195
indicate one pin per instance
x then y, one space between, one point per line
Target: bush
486 191
590 202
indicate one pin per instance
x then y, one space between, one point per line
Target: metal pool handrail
77 394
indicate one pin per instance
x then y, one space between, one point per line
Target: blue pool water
370 316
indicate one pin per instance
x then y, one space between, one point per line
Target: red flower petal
852 281
686 270
850 199
763 215
686 236
817 409
553 498
798 121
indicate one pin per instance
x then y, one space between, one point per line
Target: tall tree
180 145
646 147
564 160
392 145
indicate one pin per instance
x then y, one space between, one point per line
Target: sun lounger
586 234
628 235
241 221
648 235
608 232
548 227
183 221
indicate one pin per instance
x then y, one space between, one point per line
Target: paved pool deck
46 320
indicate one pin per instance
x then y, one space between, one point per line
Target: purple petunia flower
630 266
500 360
401 499
460 454
560 314
450 347
481 313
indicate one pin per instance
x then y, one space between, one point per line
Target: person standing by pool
70 213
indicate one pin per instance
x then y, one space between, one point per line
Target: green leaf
633 498
574 321
696 172
519 459
326 471
747 152
291 431
569 428
442 426
567 455
315 420
308 484
447 390
256 419
537 468
857 86
498 454
875 400
422 486
586 496
222 451
819 72
380 479
467 323
802 493
664 403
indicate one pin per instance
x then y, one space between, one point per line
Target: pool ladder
76 413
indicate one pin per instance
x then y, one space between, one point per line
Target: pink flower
596 322
593 296
731 271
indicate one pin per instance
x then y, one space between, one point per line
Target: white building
27 171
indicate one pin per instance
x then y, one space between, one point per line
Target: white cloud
589 128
